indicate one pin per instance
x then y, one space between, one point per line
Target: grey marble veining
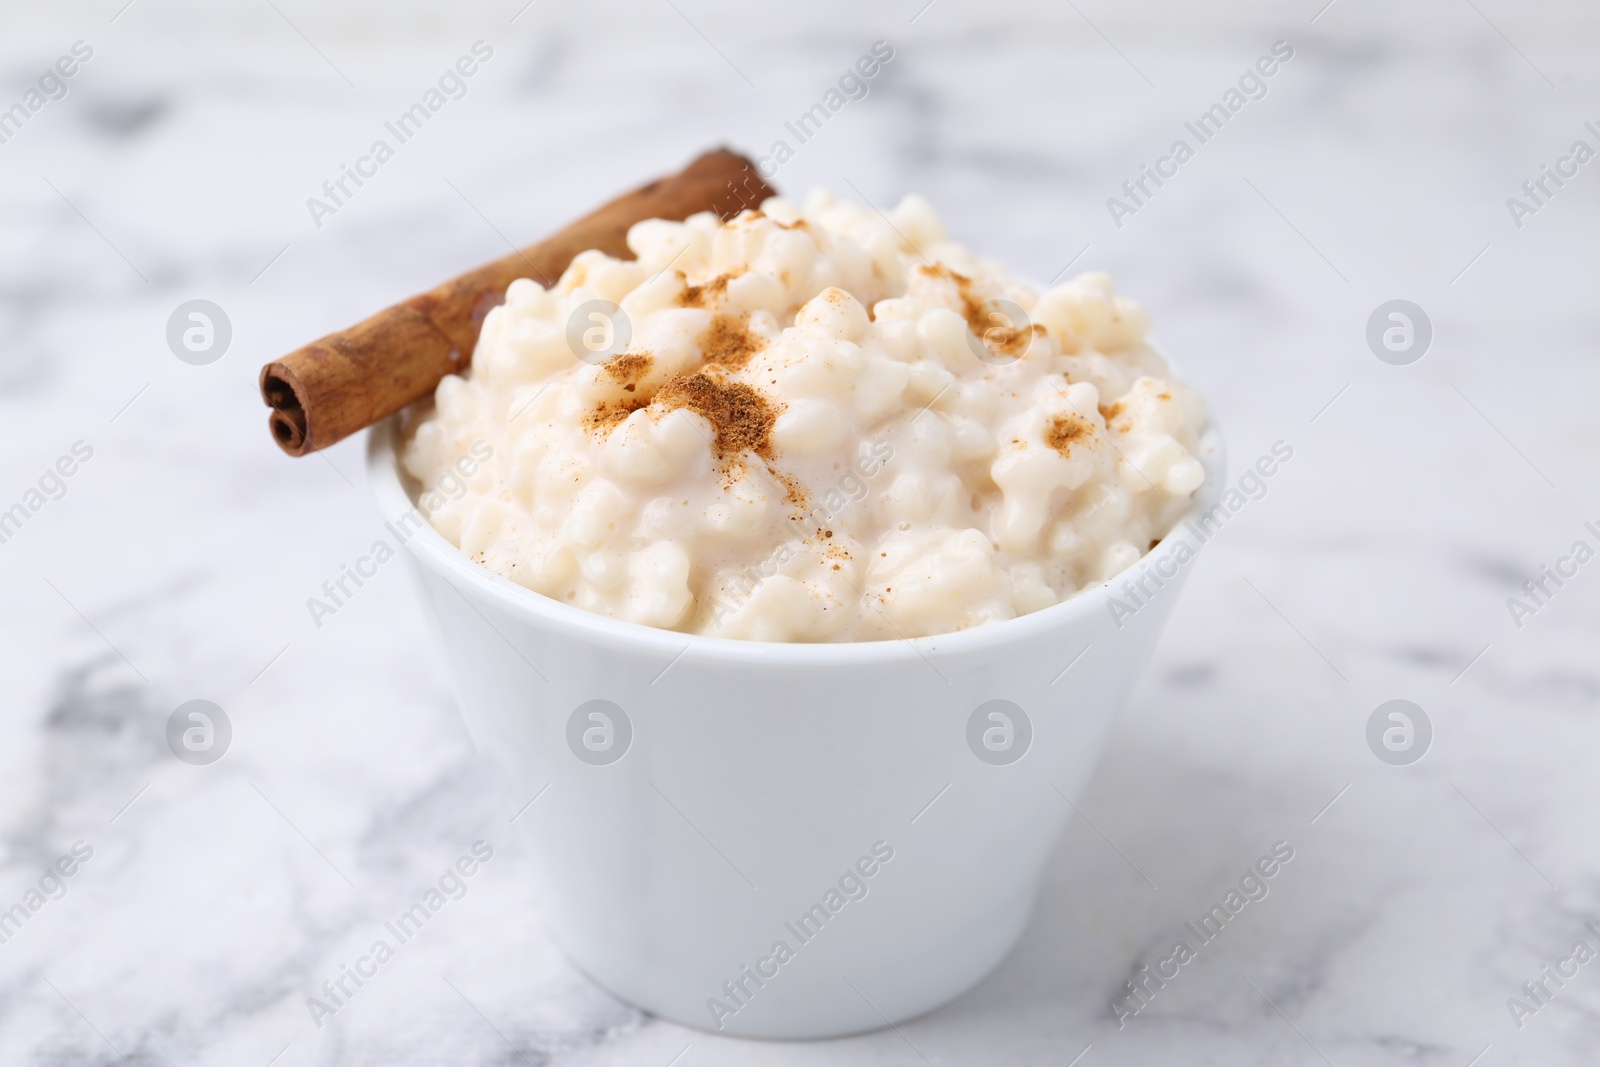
1377 566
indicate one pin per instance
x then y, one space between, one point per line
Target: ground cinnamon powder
1065 429
741 417
794 492
608 417
699 296
728 341
629 368
1012 340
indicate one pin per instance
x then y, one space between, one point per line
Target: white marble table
1377 566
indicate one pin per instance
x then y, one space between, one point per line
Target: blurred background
174 562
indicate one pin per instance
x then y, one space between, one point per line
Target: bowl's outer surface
758 774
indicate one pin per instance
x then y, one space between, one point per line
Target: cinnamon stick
347 381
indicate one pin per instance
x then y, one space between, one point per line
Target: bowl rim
429 547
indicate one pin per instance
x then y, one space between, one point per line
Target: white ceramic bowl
679 840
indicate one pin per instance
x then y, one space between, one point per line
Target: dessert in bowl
773 566
817 425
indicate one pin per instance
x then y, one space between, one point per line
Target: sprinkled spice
741 417
607 417
1001 339
699 296
1065 429
629 368
794 492
729 342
